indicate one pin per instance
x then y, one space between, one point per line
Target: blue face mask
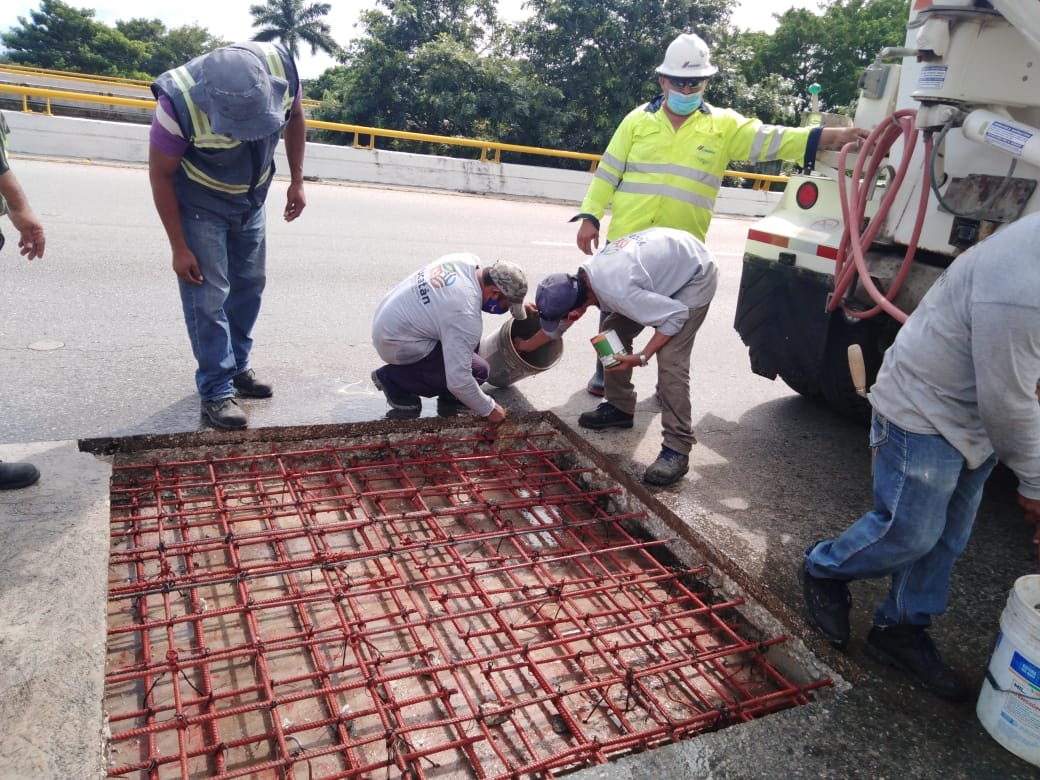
494 306
683 105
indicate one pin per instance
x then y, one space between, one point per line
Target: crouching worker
428 329
660 278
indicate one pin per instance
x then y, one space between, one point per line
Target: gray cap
510 279
241 99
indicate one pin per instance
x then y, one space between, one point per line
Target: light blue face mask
682 104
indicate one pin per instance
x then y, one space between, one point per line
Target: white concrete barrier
91 139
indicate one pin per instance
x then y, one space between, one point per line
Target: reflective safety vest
657 176
216 171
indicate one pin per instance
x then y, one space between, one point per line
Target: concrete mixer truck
852 247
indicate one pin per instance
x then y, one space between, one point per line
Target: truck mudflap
781 317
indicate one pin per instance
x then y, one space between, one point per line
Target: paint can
1009 702
607 345
507 365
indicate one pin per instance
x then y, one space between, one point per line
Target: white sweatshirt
438 303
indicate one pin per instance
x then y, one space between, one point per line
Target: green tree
60 37
601 57
293 22
167 49
830 49
436 67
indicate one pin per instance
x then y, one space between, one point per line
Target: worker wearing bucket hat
428 328
211 162
661 278
665 162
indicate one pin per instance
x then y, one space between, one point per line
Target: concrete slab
54 537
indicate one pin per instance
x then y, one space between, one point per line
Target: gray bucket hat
509 278
241 99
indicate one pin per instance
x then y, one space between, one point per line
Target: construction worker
210 163
31 243
428 329
660 278
665 162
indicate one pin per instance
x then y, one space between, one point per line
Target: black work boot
910 649
450 406
247 386
406 404
828 603
224 413
668 468
17 475
604 416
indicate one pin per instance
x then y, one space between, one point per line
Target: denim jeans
925 501
220 312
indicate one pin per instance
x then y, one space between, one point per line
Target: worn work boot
910 649
668 468
828 603
17 475
247 386
604 416
408 404
224 413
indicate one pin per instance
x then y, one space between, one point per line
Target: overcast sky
230 19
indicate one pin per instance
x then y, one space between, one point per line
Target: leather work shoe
910 649
247 386
828 603
224 413
669 467
408 403
17 475
604 416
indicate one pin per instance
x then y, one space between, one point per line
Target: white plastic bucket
507 365
1009 702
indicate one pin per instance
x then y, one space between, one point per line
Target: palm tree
292 22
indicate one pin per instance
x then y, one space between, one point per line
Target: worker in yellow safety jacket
664 164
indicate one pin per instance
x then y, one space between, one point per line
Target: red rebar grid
440 607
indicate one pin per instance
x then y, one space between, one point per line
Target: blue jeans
220 312
925 501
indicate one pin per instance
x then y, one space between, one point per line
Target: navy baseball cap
557 296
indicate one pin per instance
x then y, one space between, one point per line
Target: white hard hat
687 56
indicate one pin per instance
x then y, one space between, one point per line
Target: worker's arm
31 240
161 171
295 142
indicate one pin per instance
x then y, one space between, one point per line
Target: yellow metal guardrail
762 181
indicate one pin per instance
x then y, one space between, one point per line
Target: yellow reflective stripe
277 68
184 81
683 171
199 177
213 141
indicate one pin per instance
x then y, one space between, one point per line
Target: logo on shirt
437 277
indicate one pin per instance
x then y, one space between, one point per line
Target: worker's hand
295 202
837 137
186 266
31 241
1032 507
624 363
588 236
498 414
